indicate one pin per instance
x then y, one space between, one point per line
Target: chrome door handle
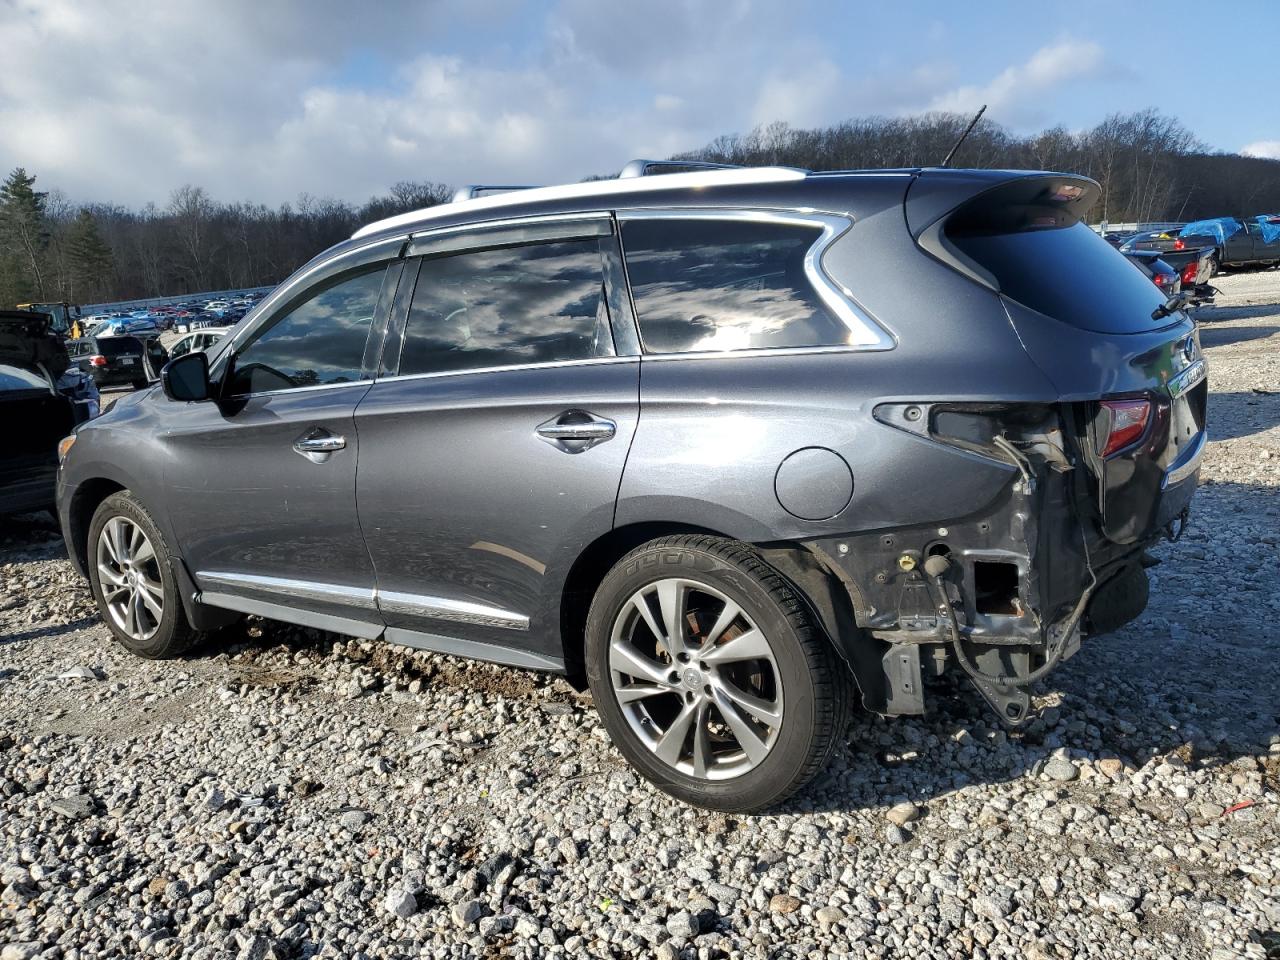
319 445
576 430
591 430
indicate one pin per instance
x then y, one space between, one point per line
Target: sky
264 100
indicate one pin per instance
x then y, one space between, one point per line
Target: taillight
1163 280
1179 245
1189 273
97 360
1126 422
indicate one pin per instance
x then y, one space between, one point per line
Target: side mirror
187 378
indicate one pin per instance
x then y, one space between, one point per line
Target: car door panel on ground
494 454
268 471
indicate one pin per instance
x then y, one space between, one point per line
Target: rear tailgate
1091 323
123 354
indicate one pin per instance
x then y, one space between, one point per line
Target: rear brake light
1189 273
1179 245
1126 423
97 360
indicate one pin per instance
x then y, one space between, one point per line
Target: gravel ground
284 793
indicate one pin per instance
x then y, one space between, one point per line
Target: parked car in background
125 326
197 341
1236 243
1161 241
111 361
1167 280
42 398
821 488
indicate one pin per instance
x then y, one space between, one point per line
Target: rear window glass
115 346
725 285
1068 273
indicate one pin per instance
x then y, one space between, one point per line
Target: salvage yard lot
287 793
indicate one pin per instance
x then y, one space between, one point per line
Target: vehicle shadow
1224 336
1236 415
49 630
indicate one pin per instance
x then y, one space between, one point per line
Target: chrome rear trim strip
360 597
454 611
409 604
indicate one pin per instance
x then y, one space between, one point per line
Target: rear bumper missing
1022 570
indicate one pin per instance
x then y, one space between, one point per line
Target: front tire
132 579
711 677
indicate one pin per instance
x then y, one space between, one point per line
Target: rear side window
725 285
537 303
1065 272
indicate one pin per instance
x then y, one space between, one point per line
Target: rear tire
132 579
746 705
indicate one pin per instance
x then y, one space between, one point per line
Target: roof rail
471 191
642 168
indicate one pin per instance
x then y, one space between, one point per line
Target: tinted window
120 346
725 285
319 341
533 304
1068 273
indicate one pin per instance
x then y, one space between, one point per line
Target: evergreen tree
89 257
24 233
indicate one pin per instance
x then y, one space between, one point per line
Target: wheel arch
589 570
88 496
820 589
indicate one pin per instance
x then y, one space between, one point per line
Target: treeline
52 250
1149 165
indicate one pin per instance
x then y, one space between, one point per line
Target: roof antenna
967 130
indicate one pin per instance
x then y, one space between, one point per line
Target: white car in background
197 340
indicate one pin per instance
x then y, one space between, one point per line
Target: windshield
1068 273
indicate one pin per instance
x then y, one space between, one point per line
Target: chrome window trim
482 227
746 354
453 611
292 390
869 333
506 368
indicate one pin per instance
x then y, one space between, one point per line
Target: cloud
1269 149
123 101
1014 94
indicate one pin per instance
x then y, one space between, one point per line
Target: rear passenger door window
514 306
733 284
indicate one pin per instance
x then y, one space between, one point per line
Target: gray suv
732 447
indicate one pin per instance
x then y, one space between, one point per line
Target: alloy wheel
129 574
696 679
